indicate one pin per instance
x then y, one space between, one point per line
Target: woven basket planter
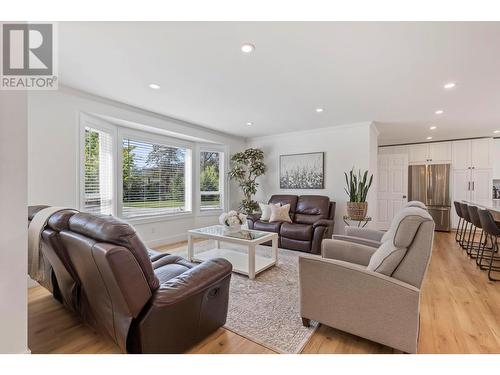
357 210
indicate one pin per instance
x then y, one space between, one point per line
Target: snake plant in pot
357 189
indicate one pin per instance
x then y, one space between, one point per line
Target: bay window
97 185
154 178
138 175
211 180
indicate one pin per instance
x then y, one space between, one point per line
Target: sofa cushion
283 199
311 208
386 258
295 231
280 213
267 226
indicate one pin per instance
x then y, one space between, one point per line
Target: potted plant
246 167
357 190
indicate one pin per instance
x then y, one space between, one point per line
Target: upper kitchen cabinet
481 153
436 152
390 150
440 152
472 154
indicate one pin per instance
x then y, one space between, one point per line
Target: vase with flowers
232 220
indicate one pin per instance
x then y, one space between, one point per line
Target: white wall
53 125
13 241
353 145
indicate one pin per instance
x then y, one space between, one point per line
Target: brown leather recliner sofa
312 220
147 302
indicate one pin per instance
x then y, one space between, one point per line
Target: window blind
98 175
154 179
210 180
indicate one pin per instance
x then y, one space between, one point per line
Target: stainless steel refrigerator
430 184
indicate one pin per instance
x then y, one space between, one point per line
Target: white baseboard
166 240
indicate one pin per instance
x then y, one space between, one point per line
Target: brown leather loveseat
312 220
147 302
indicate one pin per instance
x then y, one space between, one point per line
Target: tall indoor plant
357 189
246 167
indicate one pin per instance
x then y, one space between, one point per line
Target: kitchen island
492 205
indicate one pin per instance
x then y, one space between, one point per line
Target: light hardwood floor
460 313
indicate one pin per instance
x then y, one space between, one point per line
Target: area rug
266 309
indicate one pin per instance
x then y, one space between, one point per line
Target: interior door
392 187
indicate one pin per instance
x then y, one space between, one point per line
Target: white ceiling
391 73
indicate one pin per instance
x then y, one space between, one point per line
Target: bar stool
458 233
474 247
491 228
464 209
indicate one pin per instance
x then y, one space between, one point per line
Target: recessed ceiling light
439 112
496 131
319 110
449 85
249 123
154 86
247 48
433 127
429 138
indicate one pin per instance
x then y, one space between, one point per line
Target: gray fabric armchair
370 237
371 292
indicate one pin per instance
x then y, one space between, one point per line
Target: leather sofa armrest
347 251
366 233
191 282
251 219
323 223
183 310
358 240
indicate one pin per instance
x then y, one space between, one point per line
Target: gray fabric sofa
371 292
370 237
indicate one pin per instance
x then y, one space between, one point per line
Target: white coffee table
245 263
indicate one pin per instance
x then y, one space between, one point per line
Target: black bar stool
464 209
491 228
474 247
458 233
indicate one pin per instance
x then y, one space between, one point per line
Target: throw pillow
280 214
265 210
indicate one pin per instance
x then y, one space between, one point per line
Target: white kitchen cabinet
460 185
482 184
481 153
436 152
418 153
460 154
496 159
472 154
470 185
440 152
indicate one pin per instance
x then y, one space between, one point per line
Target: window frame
142 136
223 167
95 123
118 132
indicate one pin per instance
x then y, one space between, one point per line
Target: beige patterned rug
266 310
